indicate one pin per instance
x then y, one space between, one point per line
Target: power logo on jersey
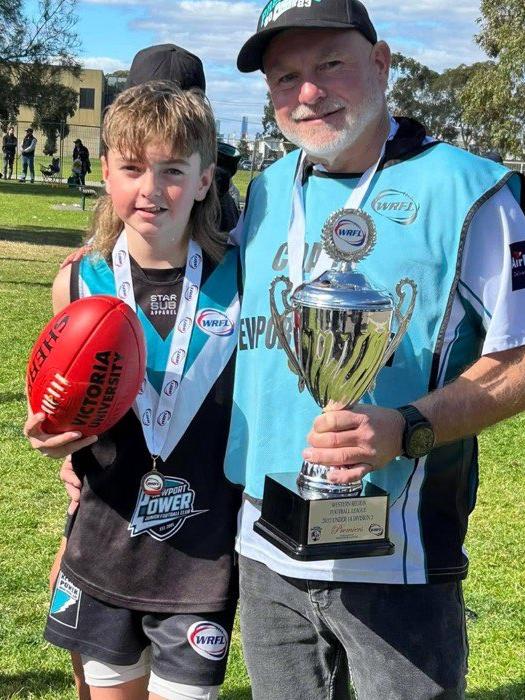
517 254
162 515
65 604
208 639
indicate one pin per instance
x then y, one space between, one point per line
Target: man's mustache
316 111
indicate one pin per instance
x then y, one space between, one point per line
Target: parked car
245 164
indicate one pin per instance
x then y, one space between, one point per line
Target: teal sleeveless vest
218 292
422 208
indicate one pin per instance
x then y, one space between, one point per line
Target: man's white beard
341 139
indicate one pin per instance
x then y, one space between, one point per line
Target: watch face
421 441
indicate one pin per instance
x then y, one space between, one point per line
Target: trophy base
310 526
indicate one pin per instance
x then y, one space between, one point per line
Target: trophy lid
337 289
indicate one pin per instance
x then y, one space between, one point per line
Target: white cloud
104 63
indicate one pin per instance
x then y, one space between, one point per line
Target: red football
87 366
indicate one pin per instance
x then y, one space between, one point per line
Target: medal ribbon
297 226
157 413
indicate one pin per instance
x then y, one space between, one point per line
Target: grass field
34 238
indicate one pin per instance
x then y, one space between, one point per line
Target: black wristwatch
418 436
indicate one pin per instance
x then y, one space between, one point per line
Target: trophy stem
313 478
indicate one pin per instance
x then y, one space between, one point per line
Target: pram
76 179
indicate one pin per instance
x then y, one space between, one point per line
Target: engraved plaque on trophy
343 336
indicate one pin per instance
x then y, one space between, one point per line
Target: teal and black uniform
118 556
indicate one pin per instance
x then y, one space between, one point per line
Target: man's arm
369 437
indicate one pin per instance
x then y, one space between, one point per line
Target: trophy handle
403 321
278 321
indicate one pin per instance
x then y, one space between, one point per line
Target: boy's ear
105 173
206 178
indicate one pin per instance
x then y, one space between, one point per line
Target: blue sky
438 33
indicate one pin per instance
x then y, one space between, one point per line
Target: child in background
147 587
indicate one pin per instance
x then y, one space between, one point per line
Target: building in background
90 86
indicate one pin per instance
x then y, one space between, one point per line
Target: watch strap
413 418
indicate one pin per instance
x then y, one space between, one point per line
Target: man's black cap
29 131
320 14
167 62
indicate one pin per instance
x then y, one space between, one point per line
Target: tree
34 51
495 95
436 100
412 93
270 127
243 147
55 106
449 88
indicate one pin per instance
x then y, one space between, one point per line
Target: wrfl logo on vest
214 322
399 207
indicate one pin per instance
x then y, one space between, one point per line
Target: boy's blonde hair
159 112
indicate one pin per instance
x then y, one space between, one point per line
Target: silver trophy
343 333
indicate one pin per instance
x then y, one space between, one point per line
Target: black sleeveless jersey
185 561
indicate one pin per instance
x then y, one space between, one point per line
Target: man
28 156
398 621
9 144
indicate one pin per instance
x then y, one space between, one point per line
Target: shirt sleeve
235 235
492 277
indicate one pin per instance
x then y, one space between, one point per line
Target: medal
153 481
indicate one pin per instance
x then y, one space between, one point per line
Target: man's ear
206 178
381 58
105 173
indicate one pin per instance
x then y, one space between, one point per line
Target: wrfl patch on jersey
65 604
208 639
163 515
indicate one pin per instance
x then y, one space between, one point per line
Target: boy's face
154 196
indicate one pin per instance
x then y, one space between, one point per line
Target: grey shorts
304 639
188 648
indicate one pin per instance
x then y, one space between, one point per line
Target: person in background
171 62
28 156
81 154
9 144
227 161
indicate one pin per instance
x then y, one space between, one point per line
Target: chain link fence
60 137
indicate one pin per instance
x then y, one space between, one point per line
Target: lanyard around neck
157 412
297 226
